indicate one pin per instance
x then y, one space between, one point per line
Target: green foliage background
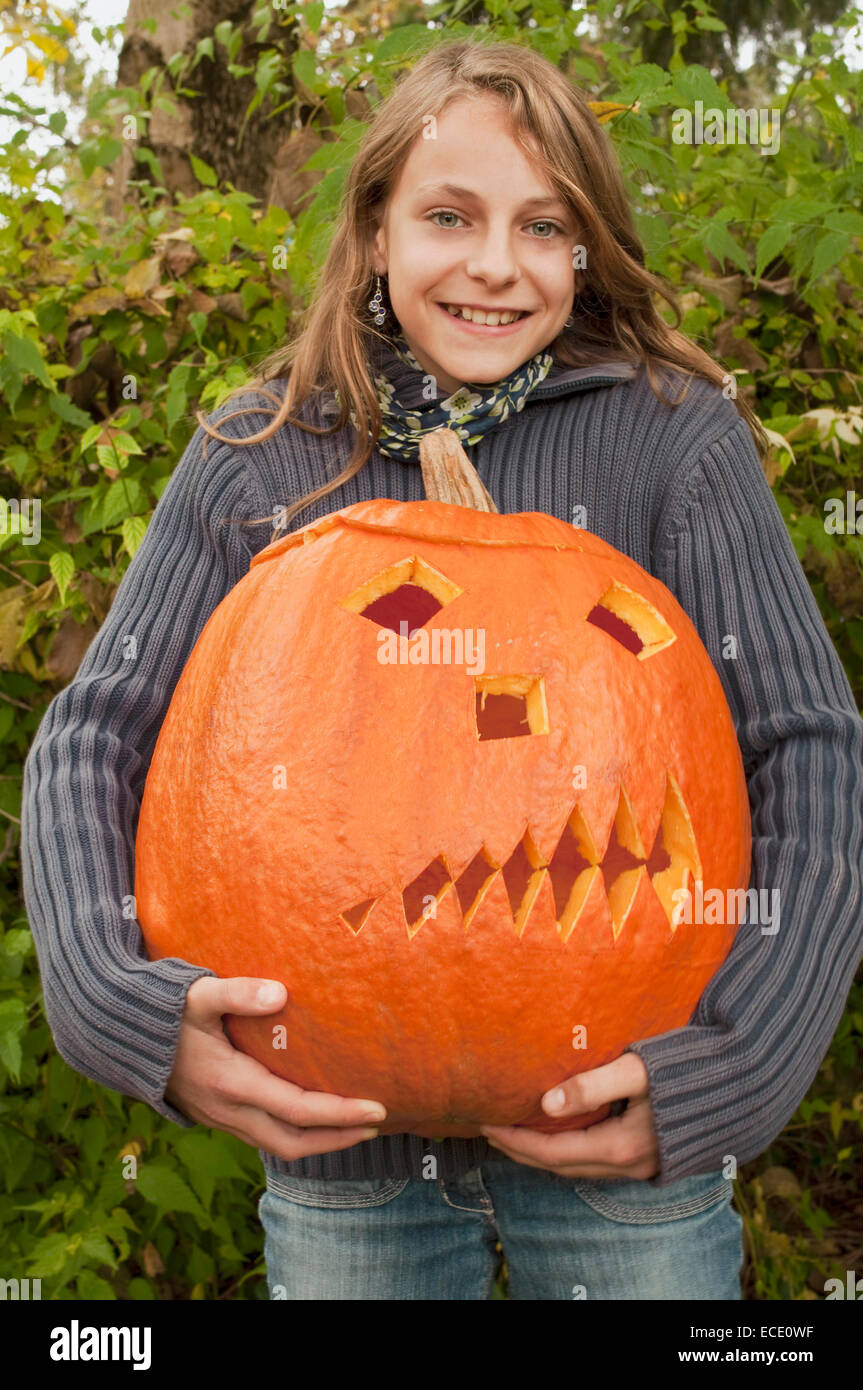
113 330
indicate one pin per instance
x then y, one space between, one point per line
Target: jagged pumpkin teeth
445 773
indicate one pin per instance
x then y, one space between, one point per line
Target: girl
484 188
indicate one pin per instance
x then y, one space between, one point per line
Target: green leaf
50 1255
719 241
335 99
770 243
26 358
108 457
175 406
99 1248
13 1023
167 1191
16 460
223 32
313 13
123 498
89 437
405 40
845 221
208 1160
203 173
146 156
94 154
134 529
89 1286
141 1291
304 67
126 443
62 567
67 410
18 942
829 251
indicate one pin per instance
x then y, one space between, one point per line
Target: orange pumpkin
462 866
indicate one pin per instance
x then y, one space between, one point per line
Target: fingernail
268 994
555 1100
374 1114
368 1134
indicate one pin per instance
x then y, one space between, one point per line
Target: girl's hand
215 1084
623 1147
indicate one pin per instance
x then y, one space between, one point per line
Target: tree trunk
210 124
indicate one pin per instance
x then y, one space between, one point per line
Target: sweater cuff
132 1048
669 1075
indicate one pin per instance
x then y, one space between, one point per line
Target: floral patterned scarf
470 411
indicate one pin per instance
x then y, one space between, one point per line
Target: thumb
208 998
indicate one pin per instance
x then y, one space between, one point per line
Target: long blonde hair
615 314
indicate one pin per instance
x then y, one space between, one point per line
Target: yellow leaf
604 110
178 234
50 47
142 278
12 615
100 301
35 69
147 305
779 1182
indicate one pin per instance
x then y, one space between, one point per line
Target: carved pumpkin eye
632 621
410 591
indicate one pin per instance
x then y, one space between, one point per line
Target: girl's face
472 223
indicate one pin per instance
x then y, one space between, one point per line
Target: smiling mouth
575 871
523 316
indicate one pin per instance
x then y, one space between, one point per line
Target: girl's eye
444 213
553 225
447 212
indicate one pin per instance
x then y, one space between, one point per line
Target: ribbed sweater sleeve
728 1083
114 1014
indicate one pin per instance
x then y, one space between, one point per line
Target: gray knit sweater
679 490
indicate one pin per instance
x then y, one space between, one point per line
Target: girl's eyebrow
454 190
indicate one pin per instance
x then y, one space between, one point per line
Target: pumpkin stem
449 475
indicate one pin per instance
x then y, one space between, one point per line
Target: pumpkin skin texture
306 801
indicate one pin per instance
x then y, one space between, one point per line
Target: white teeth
491 319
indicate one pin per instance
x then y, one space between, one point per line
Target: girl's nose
494 259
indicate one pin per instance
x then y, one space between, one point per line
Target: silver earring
376 304
569 322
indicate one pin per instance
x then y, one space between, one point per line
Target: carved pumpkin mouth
404 597
576 871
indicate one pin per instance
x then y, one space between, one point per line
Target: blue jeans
562 1238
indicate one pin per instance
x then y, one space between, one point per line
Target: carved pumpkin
463 876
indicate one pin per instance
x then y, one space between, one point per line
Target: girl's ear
379 252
